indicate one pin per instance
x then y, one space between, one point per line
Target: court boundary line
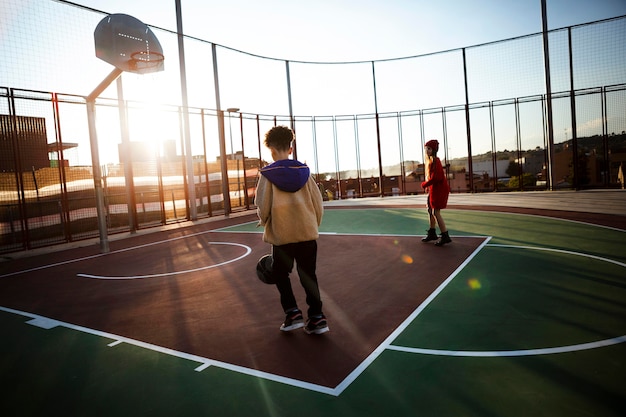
567 252
481 209
98 255
248 251
525 352
543 216
455 208
220 230
399 329
204 363
512 353
49 323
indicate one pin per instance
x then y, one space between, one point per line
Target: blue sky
352 30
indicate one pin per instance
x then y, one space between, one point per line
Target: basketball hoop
119 36
144 62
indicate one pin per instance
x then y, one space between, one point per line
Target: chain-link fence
360 126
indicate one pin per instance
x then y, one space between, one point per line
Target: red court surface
195 291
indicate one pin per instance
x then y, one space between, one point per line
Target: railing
360 126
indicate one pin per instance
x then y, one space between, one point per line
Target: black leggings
305 256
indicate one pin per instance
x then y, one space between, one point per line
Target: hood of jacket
287 174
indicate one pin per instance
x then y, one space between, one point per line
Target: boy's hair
279 137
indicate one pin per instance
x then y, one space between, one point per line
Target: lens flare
474 284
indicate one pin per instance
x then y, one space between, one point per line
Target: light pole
232 149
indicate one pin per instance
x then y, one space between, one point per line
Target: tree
513 169
528 180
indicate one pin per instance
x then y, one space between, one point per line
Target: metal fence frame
148 191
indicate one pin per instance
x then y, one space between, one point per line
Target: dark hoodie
287 174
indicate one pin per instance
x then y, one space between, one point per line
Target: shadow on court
195 291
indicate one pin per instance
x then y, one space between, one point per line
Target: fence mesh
360 126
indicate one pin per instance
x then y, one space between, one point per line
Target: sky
60 44
354 30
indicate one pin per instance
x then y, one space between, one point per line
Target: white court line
508 353
85 258
385 345
568 252
205 362
165 274
525 352
387 342
44 322
458 208
615 229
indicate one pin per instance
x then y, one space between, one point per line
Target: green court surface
533 325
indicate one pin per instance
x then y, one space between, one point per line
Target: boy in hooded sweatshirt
289 206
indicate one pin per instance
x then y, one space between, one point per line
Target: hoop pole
95 156
104 84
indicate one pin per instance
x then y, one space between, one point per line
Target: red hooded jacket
437 185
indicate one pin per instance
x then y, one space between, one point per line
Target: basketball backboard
128 44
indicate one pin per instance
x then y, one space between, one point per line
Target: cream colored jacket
289 217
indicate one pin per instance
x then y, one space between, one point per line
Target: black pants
305 256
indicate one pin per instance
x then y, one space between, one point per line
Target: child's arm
263 200
316 199
437 174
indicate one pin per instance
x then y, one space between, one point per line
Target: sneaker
293 320
316 325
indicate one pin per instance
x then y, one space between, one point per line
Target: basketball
264 269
